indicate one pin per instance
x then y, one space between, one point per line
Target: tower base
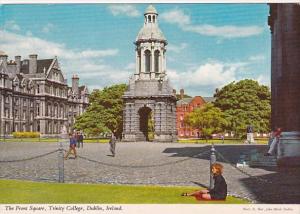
289 149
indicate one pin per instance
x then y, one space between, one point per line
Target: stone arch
147 61
145 122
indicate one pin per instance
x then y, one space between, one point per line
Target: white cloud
264 80
183 20
122 9
259 57
177 48
12 25
176 16
227 31
88 64
47 28
205 78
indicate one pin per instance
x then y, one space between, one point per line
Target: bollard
61 178
212 161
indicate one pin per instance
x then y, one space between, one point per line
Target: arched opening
156 61
153 19
147 61
146 123
149 19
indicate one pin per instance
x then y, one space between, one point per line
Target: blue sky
209 45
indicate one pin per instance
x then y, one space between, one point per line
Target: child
219 192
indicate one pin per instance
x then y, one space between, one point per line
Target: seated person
219 192
276 136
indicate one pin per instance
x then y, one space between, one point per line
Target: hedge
26 134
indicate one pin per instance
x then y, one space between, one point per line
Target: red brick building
185 106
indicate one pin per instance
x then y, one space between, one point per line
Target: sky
209 45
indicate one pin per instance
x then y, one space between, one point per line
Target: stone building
150 96
34 96
284 21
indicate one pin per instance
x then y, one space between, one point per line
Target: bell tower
149 103
150 48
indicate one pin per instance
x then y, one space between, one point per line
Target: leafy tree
245 103
104 113
208 119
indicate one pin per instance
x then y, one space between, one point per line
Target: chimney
75 84
181 93
3 58
18 62
32 63
174 92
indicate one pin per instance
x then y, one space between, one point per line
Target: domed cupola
150 30
150 49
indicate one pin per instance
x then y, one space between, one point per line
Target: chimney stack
3 58
18 62
75 84
181 93
32 63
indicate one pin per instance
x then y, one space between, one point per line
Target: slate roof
184 101
41 64
209 99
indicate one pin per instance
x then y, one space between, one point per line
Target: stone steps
261 160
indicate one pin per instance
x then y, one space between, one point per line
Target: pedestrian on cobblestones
219 192
72 147
112 144
80 139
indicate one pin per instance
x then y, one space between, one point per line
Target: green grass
26 192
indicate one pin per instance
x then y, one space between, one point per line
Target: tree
208 119
245 103
105 112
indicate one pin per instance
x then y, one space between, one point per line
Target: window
149 19
147 61
156 61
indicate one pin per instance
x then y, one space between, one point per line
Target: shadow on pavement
283 189
280 187
231 153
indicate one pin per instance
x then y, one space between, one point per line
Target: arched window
153 19
149 19
156 61
147 60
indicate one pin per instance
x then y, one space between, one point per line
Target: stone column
137 61
284 22
142 61
152 74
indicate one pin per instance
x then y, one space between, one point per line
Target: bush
26 134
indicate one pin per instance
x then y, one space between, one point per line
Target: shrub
26 134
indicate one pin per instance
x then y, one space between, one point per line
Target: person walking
80 139
112 143
72 147
219 192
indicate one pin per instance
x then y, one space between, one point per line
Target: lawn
27 192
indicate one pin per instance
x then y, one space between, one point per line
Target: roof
150 9
184 101
150 32
41 64
209 99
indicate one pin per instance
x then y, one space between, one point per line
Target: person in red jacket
276 136
219 192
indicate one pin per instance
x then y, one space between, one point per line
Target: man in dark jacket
112 143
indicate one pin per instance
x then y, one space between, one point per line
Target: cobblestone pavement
150 164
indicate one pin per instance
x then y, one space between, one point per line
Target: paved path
149 164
